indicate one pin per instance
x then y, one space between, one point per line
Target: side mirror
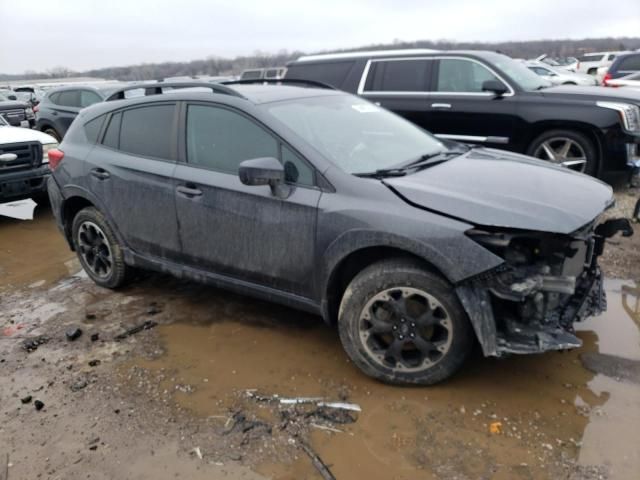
494 86
264 171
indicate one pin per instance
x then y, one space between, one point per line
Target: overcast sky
83 34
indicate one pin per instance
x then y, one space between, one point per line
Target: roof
370 53
255 94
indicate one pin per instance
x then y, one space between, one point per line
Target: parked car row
415 245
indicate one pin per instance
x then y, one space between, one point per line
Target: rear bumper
23 184
56 199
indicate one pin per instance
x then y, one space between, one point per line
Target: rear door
237 230
400 85
459 109
64 108
131 172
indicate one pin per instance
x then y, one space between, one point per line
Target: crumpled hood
488 187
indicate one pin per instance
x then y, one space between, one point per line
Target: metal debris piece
20 209
322 467
138 328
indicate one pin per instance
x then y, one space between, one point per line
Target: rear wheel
568 148
97 249
402 324
51 131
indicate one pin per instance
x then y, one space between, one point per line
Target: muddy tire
98 250
402 324
566 147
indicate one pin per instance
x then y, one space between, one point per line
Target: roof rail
281 81
157 88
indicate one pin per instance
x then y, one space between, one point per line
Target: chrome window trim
473 138
365 73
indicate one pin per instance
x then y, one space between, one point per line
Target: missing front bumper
499 335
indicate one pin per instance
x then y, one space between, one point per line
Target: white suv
590 62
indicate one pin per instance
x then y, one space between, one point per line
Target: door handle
189 190
440 105
54 113
100 173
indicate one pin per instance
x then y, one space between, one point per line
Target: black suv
322 201
489 99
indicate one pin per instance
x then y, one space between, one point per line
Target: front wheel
404 325
97 248
567 148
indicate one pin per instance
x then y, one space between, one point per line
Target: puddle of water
222 345
32 250
612 435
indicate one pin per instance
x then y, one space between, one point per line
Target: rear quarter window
333 73
630 64
92 128
591 58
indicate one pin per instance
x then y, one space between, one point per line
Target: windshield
356 135
519 73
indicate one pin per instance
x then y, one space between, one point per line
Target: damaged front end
547 282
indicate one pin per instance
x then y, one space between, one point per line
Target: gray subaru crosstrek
416 247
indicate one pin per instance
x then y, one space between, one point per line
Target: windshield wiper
426 160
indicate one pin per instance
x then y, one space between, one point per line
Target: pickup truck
24 162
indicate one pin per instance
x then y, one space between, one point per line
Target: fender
70 191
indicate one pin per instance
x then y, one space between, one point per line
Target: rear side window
147 131
92 128
460 75
54 98
221 139
333 73
112 135
399 76
630 63
591 58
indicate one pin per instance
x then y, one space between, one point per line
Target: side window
296 169
69 98
399 76
631 63
55 98
112 135
221 139
92 128
460 75
147 131
87 97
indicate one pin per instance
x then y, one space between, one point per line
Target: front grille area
29 156
14 116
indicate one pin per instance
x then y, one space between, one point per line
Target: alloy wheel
94 249
406 329
563 151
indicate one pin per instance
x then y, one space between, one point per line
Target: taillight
36 108
55 157
605 80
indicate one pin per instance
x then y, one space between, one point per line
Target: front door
241 231
460 110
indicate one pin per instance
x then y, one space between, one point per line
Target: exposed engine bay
547 283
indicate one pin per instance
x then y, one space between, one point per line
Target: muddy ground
191 396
